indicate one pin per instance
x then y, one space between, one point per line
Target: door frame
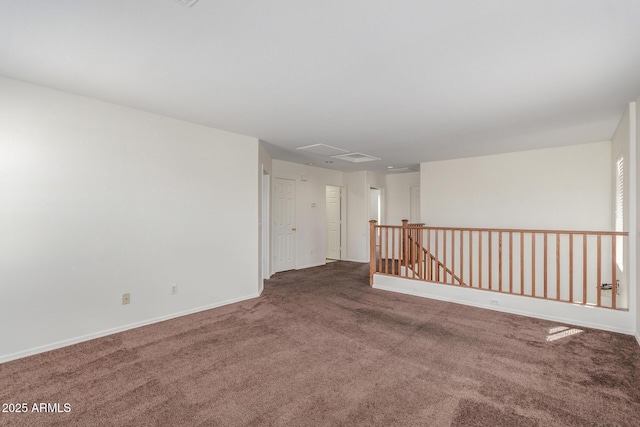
266 224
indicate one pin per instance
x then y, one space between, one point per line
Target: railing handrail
508 230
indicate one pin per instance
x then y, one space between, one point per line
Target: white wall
310 221
376 180
621 146
357 216
97 200
556 188
576 314
625 142
399 196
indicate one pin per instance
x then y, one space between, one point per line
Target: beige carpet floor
321 348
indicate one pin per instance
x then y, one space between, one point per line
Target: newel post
372 250
405 241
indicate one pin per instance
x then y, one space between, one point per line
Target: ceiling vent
187 3
323 149
356 157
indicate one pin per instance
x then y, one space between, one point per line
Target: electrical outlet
494 302
126 299
174 289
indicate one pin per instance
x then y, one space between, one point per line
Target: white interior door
334 222
284 212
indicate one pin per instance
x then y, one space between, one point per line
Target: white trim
362 261
575 314
265 223
88 337
633 216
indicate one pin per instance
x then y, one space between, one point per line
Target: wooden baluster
438 255
558 266
412 251
571 236
403 253
422 253
599 302
380 255
429 272
521 263
470 259
393 251
510 262
480 259
545 266
490 266
444 251
614 285
416 253
405 247
418 247
453 255
500 261
461 256
533 264
584 269
386 249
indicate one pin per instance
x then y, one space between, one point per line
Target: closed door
334 223
284 212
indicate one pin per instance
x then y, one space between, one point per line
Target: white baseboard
100 334
562 312
302 267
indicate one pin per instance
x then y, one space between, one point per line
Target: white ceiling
405 81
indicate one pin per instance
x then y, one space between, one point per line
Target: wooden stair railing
581 267
426 272
440 265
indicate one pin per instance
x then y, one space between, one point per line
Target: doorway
334 222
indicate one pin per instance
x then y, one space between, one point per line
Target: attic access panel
323 150
356 157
